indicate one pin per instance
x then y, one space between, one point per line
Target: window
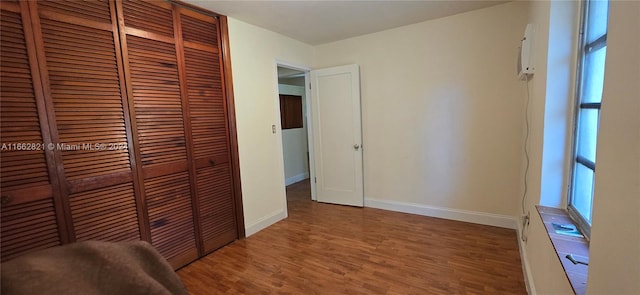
592 54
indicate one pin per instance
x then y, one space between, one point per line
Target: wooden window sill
565 245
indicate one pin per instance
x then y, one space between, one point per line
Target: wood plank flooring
332 249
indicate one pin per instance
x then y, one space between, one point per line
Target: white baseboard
296 178
265 222
446 213
526 268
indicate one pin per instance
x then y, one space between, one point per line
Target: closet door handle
356 146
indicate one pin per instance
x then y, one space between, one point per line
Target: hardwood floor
332 249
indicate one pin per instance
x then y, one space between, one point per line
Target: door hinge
315 179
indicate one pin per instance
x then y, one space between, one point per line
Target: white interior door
337 135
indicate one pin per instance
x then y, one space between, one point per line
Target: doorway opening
295 121
332 123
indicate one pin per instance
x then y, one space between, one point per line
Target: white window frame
584 50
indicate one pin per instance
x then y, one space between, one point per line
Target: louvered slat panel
150 17
25 225
197 30
97 10
208 132
107 214
28 227
85 87
206 104
215 198
158 107
170 214
19 121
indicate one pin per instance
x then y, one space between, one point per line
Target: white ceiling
319 22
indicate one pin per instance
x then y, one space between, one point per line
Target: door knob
356 146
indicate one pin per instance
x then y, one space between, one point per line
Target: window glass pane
582 191
591 81
593 75
588 133
597 19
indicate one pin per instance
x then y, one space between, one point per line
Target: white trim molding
290 65
296 178
526 268
446 213
265 222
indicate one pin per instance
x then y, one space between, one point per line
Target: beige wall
538 17
559 105
442 110
545 273
254 52
615 236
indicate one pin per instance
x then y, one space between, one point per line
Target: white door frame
309 120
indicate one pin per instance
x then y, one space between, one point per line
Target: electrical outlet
525 219
525 224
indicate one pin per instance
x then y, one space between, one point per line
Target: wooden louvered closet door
209 130
81 68
115 126
32 216
148 35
